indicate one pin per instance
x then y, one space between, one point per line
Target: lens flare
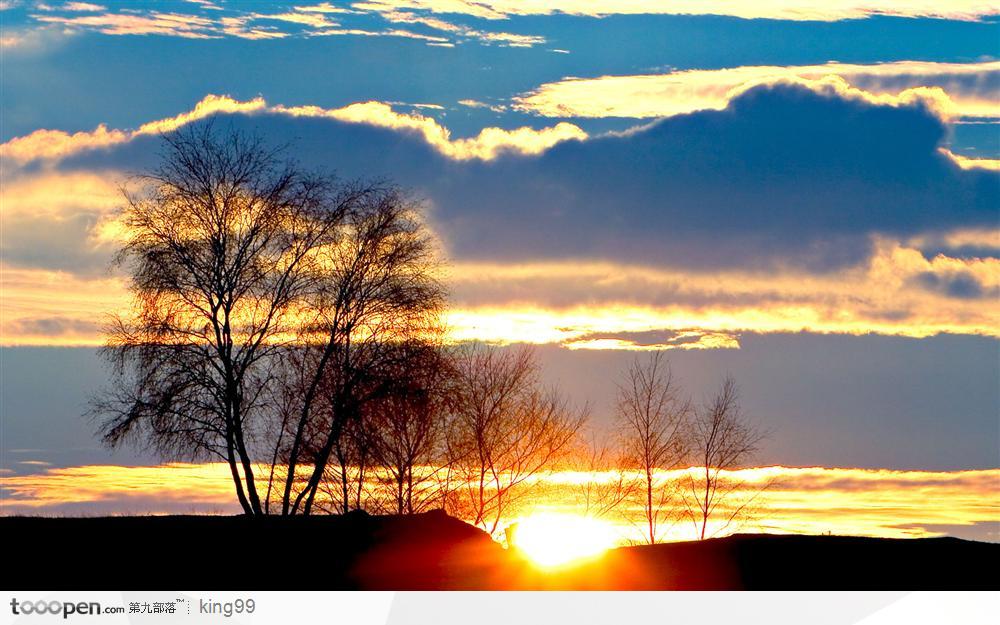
552 540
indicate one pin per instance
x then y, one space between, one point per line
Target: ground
435 551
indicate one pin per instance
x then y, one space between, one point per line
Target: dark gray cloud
53 326
986 531
59 244
960 284
785 175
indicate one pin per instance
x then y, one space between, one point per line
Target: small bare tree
652 419
722 439
378 291
505 429
408 429
608 484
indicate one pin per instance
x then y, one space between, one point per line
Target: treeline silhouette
290 324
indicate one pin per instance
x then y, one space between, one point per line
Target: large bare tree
652 419
722 439
221 242
505 429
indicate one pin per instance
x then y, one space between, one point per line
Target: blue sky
806 192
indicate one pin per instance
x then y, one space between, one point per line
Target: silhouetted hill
791 562
435 551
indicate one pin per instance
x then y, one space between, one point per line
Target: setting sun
551 540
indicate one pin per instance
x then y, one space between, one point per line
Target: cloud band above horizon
769 215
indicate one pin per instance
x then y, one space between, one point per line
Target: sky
803 194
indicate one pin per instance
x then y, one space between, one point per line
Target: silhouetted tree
409 428
505 429
378 292
722 439
221 243
652 419
607 484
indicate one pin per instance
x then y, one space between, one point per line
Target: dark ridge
434 551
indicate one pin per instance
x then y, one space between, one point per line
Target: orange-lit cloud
322 7
867 502
823 10
316 19
613 306
59 231
899 292
304 20
51 145
954 89
504 38
43 307
152 23
490 142
966 162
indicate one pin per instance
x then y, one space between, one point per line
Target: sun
552 540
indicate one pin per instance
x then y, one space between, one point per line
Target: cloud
57 327
51 145
959 284
218 23
211 20
655 340
792 172
822 10
306 18
22 41
477 104
846 501
964 244
322 7
60 221
985 531
395 32
239 27
616 306
972 89
503 38
154 23
214 21
72 7
973 163
37 301
83 7
798 207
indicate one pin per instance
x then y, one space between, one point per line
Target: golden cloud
815 500
587 305
488 144
154 23
579 303
821 10
952 89
568 302
504 38
53 145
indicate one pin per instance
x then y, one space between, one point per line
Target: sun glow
551 540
